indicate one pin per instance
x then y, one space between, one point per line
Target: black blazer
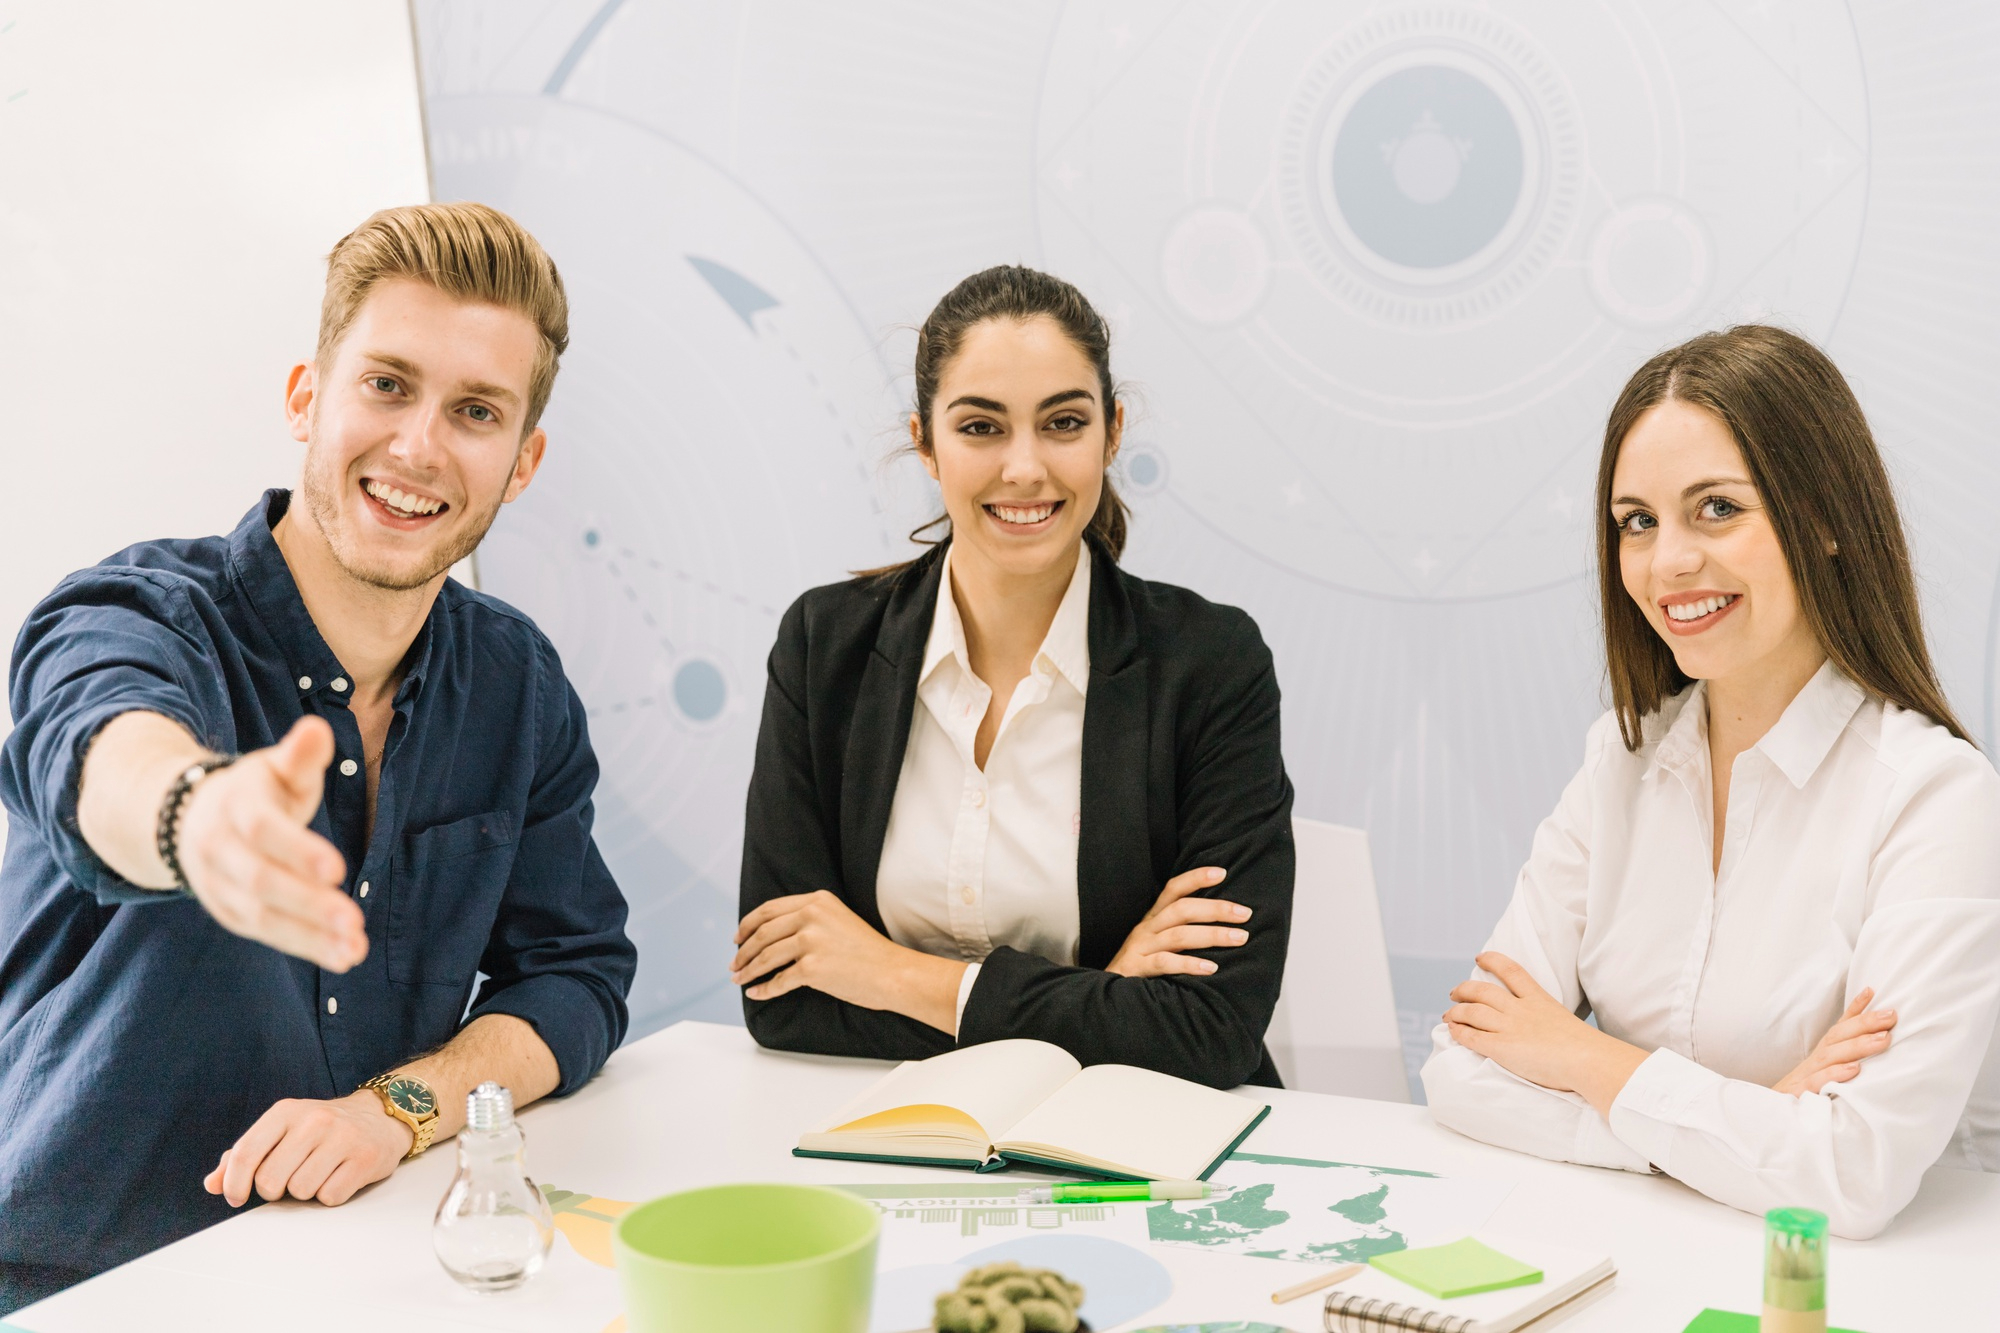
1181 768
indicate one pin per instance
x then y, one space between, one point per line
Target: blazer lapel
1114 870
879 729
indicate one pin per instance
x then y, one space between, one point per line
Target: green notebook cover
1462 1268
955 1163
1725 1321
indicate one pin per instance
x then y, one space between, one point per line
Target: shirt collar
1811 723
1067 644
260 570
1797 743
1680 728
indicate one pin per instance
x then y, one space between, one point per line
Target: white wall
1376 267
171 179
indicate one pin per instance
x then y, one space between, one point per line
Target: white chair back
1335 1026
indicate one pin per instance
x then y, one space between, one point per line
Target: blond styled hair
468 251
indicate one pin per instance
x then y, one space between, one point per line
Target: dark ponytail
1012 292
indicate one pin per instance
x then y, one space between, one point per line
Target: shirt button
978 799
347 768
965 894
364 888
305 682
332 1005
339 684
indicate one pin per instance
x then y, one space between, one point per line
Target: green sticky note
1725 1321
1462 1268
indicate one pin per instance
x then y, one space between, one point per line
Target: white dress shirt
1861 848
976 859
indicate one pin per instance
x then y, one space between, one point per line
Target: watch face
411 1096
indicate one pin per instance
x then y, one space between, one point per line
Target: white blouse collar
1798 743
1066 646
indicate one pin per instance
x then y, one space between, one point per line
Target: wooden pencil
1310 1285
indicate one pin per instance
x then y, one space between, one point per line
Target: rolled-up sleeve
558 957
1857 1151
107 641
1543 932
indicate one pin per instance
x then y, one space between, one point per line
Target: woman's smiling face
1696 548
1020 439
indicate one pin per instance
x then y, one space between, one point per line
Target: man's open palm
255 865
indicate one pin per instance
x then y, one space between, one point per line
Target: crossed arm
816 940
1526 1031
1849 1130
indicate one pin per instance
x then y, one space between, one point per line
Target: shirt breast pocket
445 891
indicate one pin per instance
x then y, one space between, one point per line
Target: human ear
299 389
929 456
526 463
1114 433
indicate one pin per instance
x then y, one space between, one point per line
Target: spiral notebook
1571 1279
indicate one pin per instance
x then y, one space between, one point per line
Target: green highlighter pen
1120 1191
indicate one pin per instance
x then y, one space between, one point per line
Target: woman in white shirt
1778 823
976 771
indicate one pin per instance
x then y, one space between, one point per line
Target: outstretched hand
251 860
1837 1058
1177 924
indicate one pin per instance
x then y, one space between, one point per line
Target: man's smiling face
413 431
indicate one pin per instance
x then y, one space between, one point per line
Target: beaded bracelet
167 836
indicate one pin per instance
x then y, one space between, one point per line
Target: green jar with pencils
1794 1271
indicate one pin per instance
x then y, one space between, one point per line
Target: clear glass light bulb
494 1227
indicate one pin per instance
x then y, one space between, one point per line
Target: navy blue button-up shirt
138 1038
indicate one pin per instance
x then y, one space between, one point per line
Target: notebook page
995 1083
1564 1273
1134 1120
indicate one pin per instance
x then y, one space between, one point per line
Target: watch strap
167 833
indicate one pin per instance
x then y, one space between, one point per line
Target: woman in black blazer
1181 778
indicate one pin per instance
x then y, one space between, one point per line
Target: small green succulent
1007 1298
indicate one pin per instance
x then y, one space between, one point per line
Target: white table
700 1104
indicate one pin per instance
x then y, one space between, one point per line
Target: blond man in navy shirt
279 798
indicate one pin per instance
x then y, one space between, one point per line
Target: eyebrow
476 390
988 405
1687 492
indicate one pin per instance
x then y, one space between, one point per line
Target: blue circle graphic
700 691
1427 167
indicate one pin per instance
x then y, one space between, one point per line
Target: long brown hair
1813 460
1012 292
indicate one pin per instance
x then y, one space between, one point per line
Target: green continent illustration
1233 1218
1366 1208
1357 1251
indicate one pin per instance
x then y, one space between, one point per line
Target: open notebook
983 1107
1374 1301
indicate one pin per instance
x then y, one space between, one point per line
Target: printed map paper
1309 1211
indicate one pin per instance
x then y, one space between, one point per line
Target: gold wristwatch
412 1101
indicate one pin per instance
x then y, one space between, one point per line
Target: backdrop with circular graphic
1375 272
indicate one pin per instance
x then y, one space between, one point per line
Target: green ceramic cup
748 1259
